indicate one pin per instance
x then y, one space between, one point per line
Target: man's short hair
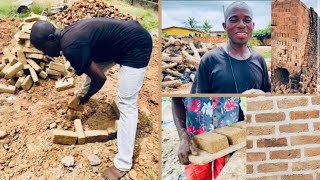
41 32
236 4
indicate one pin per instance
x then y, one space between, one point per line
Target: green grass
266 54
8 9
150 17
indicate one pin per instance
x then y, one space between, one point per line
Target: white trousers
130 83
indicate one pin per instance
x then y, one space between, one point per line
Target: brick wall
283 139
293 71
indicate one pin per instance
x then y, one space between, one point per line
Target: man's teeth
242 33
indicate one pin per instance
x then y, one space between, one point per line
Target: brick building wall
283 139
293 71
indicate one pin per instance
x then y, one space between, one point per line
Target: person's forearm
95 85
179 116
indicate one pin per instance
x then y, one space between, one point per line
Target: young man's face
239 25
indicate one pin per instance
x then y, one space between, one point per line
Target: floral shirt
204 114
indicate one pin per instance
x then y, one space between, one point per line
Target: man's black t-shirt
103 40
215 75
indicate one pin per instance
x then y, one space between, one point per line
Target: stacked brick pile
283 139
293 71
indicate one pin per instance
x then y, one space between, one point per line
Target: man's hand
253 91
186 148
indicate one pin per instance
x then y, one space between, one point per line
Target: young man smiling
234 68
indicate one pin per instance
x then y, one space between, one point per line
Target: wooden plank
204 157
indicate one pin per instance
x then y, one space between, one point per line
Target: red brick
306 165
272 167
249 144
256 156
297 176
316 126
312 151
249 168
260 105
260 130
285 154
290 103
304 114
291 128
264 178
270 117
300 140
272 142
315 100
248 118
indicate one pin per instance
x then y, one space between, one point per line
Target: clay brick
20 81
21 57
256 156
312 151
300 140
264 178
12 59
27 43
74 102
285 154
270 117
249 144
24 36
65 84
35 56
57 67
34 65
297 176
249 168
272 167
260 130
19 74
4 70
306 165
272 142
43 74
304 114
114 104
33 75
42 65
11 71
7 89
31 50
290 103
2 66
53 72
64 137
27 83
248 118
316 126
211 142
241 125
260 105
113 130
234 135
315 100
79 130
93 136
31 19
292 128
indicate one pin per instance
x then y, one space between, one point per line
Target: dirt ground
27 116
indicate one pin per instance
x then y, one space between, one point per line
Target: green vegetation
149 17
194 24
8 9
266 54
262 34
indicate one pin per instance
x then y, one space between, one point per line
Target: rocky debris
6 147
85 10
94 160
68 161
3 134
133 174
53 125
180 60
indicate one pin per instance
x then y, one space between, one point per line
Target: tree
262 34
206 26
191 23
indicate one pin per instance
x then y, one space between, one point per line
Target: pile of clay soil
7 30
29 118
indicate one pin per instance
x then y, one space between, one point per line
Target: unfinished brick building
294 47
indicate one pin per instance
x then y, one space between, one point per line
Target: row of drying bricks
222 138
81 137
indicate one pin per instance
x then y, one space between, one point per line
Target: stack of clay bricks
292 71
222 138
22 65
180 61
88 9
283 139
81 137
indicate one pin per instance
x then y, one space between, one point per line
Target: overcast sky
174 13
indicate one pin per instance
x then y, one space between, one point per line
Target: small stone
94 160
68 161
53 125
6 147
3 134
133 174
11 164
